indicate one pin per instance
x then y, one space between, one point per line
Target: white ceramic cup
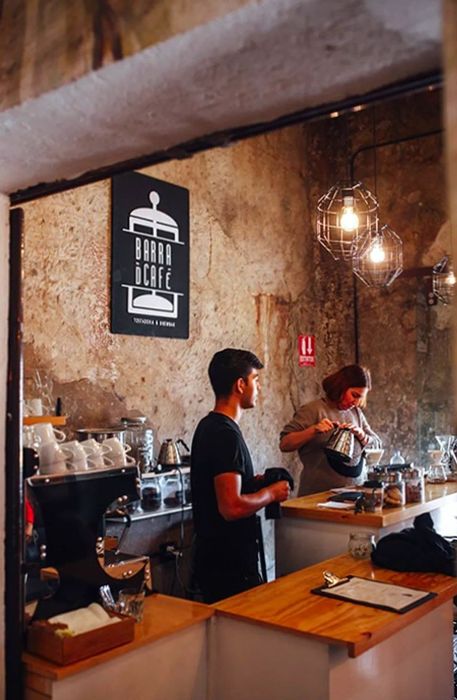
118 452
96 454
52 458
33 407
47 433
373 456
75 455
59 467
30 438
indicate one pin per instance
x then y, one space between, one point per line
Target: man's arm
233 505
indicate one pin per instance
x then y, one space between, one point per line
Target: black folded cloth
417 548
271 476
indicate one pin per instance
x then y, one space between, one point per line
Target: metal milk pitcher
341 444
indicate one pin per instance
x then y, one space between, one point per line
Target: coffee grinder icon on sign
151 221
306 350
155 233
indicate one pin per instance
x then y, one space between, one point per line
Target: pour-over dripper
448 459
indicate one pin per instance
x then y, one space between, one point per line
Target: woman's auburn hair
349 376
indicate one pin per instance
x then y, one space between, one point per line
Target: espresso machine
72 508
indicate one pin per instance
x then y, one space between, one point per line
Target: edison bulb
349 220
451 278
377 253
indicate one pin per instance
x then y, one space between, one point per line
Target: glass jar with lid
151 494
394 490
414 485
140 436
361 544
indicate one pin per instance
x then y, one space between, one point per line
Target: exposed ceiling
263 61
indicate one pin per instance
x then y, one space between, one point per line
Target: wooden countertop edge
368 639
291 509
333 516
48 669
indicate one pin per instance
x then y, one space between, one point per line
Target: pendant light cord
392 142
375 157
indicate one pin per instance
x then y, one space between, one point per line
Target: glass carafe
448 459
436 474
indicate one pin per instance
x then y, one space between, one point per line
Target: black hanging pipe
356 153
392 142
14 519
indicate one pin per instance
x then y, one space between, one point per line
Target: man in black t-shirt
226 555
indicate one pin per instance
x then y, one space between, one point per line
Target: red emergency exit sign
306 350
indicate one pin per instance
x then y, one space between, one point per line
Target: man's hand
233 505
280 490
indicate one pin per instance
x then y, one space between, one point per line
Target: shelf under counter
141 514
184 469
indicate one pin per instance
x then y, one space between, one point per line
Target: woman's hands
359 433
324 425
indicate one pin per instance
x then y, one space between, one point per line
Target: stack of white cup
117 452
52 458
96 453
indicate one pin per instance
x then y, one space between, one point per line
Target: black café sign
150 257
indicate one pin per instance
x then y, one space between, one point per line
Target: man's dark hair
229 365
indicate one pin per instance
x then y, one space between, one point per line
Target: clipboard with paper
377 594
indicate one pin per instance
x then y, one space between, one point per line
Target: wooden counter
275 641
436 496
287 604
169 627
282 641
307 533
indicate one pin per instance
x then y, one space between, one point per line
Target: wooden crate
42 640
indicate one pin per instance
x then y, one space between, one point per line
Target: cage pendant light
444 281
378 259
342 213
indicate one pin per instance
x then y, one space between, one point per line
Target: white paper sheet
378 593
